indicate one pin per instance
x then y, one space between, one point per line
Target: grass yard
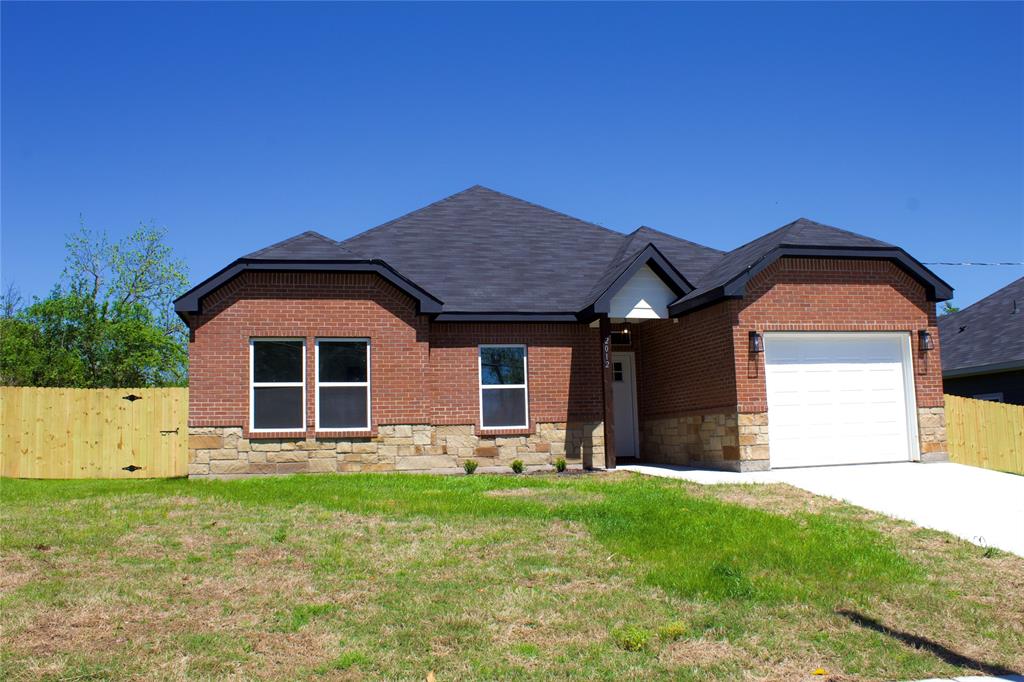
484 577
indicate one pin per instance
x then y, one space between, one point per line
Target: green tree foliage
948 309
108 323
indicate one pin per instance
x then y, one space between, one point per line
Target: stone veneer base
223 452
739 441
726 440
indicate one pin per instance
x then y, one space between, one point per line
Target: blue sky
236 125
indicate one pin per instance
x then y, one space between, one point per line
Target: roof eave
935 288
991 368
190 303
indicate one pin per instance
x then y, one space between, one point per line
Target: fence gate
94 432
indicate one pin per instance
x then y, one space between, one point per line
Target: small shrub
631 638
469 465
992 553
670 632
560 464
346 660
732 582
517 466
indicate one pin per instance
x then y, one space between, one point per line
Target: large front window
278 401
503 399
342 384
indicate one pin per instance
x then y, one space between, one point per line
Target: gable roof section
987 336
728 277
624 267
310 251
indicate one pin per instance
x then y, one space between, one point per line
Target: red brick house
485 327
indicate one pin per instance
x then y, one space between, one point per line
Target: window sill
274 435
351 433
309 434
518 431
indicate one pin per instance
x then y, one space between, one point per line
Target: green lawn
483 577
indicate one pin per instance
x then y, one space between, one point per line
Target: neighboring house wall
423 382
1009 384
717 415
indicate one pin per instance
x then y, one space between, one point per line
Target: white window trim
483 387
332 384
253 385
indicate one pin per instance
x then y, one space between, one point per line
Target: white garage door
838 398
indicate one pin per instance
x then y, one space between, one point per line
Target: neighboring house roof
481 254
987 336
802 237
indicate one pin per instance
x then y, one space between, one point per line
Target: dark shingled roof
483 252
799 233
987 335
728 275
309 245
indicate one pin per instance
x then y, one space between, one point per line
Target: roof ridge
837 229
411 213
551 210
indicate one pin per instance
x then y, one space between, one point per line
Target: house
484 326
983 347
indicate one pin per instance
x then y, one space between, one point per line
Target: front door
624 400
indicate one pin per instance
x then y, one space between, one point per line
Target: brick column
606 385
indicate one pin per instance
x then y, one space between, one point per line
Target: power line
972 263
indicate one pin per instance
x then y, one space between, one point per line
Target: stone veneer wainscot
223 452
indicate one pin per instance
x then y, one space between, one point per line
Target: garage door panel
836 399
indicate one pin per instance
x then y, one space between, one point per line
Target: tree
948 308
108 323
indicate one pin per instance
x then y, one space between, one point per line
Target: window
503 398
342 384
278 379
617 371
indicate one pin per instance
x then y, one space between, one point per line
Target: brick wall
702 397
804 294
563 366
686 366
420 373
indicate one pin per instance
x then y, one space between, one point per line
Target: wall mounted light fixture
924 338
756 343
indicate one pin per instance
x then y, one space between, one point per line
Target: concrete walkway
1006 678
982 506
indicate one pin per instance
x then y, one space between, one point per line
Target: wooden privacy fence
985 434
94 432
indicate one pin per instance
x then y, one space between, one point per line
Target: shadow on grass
946 654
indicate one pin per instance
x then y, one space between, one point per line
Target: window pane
277 361
277 408
502 365
342 361
343 407
504 407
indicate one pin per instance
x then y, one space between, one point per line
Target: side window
503 395
277 383
342 384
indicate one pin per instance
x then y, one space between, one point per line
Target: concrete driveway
982 506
